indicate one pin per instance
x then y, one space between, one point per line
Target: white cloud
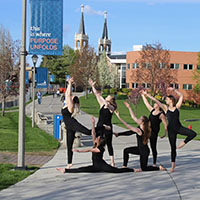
89 10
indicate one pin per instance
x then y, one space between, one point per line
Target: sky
173 23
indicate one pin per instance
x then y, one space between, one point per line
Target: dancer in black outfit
99 165
72 125
156 116
143 133
174 125
107 107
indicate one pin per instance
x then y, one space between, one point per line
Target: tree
108 75
59 65
84 67
154 68
9 66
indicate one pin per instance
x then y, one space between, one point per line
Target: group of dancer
147 129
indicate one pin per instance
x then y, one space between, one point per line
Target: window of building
146 85
146 65
198 66
174 85
187 86
128 66
135 65
163 65
134 85
188 66
174 66
127 85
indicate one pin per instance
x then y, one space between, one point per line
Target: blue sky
173 23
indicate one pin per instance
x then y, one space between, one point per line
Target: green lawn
36 140
10 176
91 106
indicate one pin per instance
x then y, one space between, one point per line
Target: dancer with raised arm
70 108
156 116
143 132
174 125
107 107
98 164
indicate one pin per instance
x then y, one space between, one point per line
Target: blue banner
46 27
27 77
52 78
41 77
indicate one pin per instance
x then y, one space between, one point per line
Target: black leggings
108 134
172 134
73 127
99 167
153 144
143 158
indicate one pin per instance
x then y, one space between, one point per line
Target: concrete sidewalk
47 183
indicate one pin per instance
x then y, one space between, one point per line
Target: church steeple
81 38
105 42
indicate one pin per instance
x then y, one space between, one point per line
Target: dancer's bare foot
113 164
182 144
62 170
124 166
137 170
172 170
162 168
173 167
154 165
69 166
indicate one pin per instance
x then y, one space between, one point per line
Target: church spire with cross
81 38
104 42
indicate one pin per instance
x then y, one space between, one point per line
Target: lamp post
21 127
34 59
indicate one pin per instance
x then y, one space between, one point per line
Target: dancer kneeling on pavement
72 107
174 125
143 133
99 165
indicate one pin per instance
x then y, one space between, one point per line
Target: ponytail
147 129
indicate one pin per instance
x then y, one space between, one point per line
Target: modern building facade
183 63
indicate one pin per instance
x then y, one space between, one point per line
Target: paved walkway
47 183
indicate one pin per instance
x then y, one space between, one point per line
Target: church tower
104 42
81 39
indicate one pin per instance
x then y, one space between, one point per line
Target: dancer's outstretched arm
93 130
132 113
147 104
180 100
99 97
163 106
134 129
68 94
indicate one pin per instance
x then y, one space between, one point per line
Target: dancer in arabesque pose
70 108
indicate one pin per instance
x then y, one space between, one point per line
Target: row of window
174 85
163 65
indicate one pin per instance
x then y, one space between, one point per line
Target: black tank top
155 122
67 117
97 157
105 117
143 148
173 119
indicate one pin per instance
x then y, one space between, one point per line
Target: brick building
185 63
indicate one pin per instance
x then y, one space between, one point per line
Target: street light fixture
34 59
